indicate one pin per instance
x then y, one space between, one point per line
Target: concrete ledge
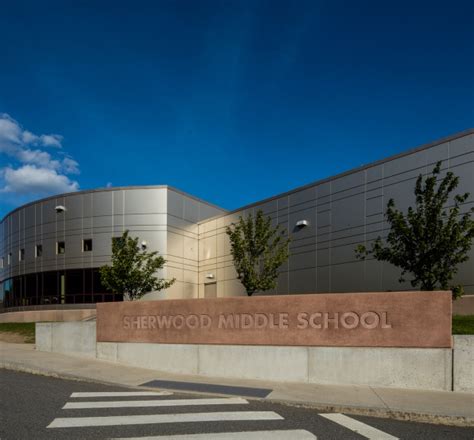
282 364
423 368
463 365
44 337
107 351
78 338
177 358
428 369
48 315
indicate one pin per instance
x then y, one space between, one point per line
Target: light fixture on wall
144 244
60 208
210 276
302 223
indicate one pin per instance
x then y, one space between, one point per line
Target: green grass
463 325
26 329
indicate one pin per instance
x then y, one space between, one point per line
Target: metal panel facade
95 215
341 212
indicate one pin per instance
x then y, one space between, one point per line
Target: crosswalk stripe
73 422
360 428
293 434
123 394
149 403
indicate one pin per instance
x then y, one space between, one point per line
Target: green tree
132 272
430 240
258 249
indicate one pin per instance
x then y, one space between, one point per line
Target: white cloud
51 140
29 179
9 131
36 157
28 137
12 133
70 166
34 171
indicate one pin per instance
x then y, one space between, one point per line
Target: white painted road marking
73 422
123 394
289 434
149 403
359 427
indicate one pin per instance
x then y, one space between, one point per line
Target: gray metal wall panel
191 210
175 206
461 145
344 212
145 201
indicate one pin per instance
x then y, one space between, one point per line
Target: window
50 287
38 250
60 247
87 245
10 258
31 287
2 263
21 255
75 282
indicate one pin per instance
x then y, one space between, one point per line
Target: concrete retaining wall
77 338
463 365
430 369
388 367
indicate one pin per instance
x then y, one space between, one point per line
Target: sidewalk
429 406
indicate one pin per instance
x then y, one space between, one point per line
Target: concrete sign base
417 368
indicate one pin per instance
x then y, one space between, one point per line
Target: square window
60 247
87 245
38 250
21 255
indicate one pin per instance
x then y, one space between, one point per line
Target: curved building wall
151 213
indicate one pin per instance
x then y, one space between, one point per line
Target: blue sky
231 101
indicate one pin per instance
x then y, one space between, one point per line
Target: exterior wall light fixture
302 223
144 244
60 208
210 276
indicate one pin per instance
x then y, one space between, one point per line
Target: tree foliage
133 269
258 249
430 240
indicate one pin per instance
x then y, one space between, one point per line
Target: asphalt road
30 403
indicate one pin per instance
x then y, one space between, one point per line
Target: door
210 290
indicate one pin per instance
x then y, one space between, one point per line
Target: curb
405 416
361 411
48 373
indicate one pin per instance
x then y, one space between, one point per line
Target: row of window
60 249
74 286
